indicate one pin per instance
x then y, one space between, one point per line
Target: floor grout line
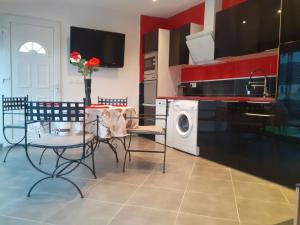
131 196
235 197
285 197
185 191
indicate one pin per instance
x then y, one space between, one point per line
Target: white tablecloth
112 121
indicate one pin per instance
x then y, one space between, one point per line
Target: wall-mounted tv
107 46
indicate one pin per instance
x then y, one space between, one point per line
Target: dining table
112 120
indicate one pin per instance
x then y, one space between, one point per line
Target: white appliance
202 44
185 126
161 110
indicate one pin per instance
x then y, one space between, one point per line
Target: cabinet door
269 25
150 42
226 33
290 30
248 27
179 53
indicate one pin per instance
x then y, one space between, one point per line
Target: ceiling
160 8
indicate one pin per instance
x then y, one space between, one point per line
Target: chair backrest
55 112
113 101
13 103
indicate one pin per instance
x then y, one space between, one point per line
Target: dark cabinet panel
269 26
179 53
226 33
150 42
248 27
290 30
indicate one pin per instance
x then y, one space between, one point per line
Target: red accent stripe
228 70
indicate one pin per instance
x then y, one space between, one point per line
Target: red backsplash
228 70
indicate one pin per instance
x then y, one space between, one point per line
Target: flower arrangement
85 67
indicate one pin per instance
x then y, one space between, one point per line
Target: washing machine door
184 124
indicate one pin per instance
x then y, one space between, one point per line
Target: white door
32 51
32 62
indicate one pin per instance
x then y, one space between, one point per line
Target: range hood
202 44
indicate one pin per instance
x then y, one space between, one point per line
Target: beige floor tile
38 207
175 168
211 172
210 186
189 219
246 177
210 205
111 191
85 211
157 198
130 215
130 176
167 180
260 192
263 213
16 221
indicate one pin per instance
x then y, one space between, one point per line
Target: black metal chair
146 130
113 101
13 106
84 143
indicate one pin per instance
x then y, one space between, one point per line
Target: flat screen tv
107 46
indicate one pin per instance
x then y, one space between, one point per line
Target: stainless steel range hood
202 44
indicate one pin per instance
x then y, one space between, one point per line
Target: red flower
93 62
75 55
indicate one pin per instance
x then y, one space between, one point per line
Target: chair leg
127 151
165 150
93 158
40 161
10 148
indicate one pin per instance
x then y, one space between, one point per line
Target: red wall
149 23
229 3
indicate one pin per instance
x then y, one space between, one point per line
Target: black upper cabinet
290 30
270 23
226 33
247 28
150 42
179 53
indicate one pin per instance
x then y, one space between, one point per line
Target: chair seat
146 130
54 140
15 126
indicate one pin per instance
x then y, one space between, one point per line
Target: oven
150 64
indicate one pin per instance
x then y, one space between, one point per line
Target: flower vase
87 88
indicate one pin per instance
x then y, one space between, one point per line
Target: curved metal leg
36 183
10 148
71 182
114 150
40 161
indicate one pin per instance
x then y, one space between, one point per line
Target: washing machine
185 122
161 110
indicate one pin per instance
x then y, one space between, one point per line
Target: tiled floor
194 191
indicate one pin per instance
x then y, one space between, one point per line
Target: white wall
123 82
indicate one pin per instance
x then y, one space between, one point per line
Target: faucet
252 84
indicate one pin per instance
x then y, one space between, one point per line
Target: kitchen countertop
225 99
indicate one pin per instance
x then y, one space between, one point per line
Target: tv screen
107 46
